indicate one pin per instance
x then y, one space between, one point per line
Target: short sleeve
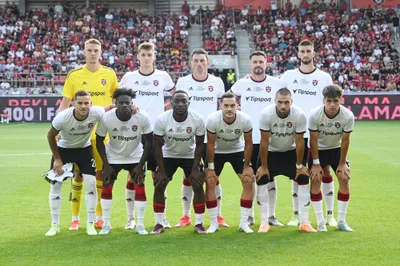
101 127
329 79
221 88
147 129
179 84
247 124
235 89
159 126
201 127
313 121
301 125
123 82
169 84
349 126
211 124
58 121
283 79
68 90
114 84
264 121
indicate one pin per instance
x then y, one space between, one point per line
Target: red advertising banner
43 108
254 3
373 3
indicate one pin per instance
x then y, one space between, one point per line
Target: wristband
315 161
299 166
211 166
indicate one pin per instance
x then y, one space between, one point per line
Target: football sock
187 196
212 210
295 199
317 204
159 212
272 197
55 202
140 201
130 200
99 185
199 210
91 196
218 192
343 203
328 192
76 189
262 201
304 202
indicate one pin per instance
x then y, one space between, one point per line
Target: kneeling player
175 132
124 151
75 125
224 130
281 152
330 126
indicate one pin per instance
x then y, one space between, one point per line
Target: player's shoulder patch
74 71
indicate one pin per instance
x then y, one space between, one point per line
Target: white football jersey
125 145
306 88
283 130
203 94
74 133
330 130
228 136
149 90
255 96
179 137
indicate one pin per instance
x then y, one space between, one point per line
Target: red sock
106 192
158 208
217 182
246 203
186 182
140 194
316 197
343 197
130 185
199 208
212 204
327 179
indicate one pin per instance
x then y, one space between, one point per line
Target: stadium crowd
356 48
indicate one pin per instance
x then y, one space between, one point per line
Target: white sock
140 210
318 211
199 218
106 205
75 218
213 213
244 215
130 203
165 209
218 192
304 202
187 197
254 199
328 193
342 210
91 196
98 218
159 217
295 197
262 201
272 197
55 202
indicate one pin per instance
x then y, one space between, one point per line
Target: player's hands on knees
196 177
248 171
160 178
316 173
135 109
262 171
57 166
302 171
138 174
210 173
343 172
108 171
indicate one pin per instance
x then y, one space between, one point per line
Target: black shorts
151 160
282 163
172 164
82 157
255 162
235 159
328 158
118 167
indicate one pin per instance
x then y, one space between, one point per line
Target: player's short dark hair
306 43
124 92
255 53
283 92
332 91
228 95
180 91
81 93
199 51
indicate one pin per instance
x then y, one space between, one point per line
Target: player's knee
263 180
160 188
344 183
211 182
247 181
106 192
90 182
303 180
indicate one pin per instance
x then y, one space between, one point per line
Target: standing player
281 153
179 137
149 84
75 125
100 82
204 90
306 84
124 151
224 144
257 92
330 126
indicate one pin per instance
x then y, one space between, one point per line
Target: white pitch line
25 154
16 125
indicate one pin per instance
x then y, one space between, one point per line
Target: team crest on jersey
268 89
90 125
104 82
134 127
155 83
289 124
315 82
210 88
189 130
337 125
237 131
378 2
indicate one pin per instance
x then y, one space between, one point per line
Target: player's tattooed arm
138 171
107 169
343 171
248 151
51 138
263 169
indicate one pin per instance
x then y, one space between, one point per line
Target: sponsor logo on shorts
304 92
258 99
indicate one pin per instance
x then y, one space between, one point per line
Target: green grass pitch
374 214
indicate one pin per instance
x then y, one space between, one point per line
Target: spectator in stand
194 16
5 117
396 27
185 8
